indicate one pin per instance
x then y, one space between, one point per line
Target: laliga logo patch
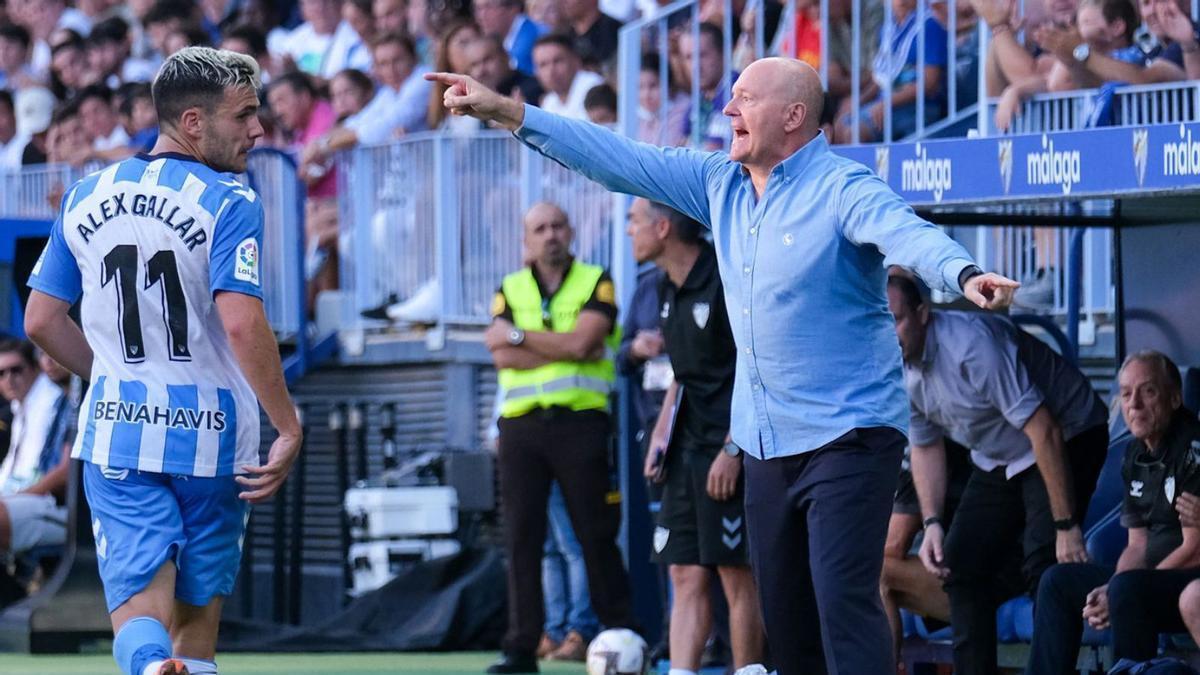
882 159
1004 154
1141 152
245 266
700 314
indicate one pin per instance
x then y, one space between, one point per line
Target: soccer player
165 249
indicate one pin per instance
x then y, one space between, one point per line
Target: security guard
553 323
702 521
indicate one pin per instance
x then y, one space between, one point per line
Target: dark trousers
1057 622
997 518
1142 604
817 524
571 448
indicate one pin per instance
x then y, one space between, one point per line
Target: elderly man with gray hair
1138 597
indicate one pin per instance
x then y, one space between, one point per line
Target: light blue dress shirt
805 274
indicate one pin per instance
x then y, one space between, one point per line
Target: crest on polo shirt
1169 489
700 312
661 535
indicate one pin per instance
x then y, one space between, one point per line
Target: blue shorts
141 520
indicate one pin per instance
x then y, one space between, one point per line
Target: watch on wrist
732 449
1064 524
1081 52
516 336
931 520
969 272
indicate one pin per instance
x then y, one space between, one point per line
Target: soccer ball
617 651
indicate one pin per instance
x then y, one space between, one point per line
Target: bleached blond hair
198 77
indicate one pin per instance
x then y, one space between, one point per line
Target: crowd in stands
340 73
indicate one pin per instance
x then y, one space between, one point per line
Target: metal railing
1133 105
34 192
432 223
272 174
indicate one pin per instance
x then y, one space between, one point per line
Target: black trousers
998 518
817 524
1057 622
571 448
1142 604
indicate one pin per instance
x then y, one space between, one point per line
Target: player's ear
191 122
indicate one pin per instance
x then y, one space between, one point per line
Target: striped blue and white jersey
148 243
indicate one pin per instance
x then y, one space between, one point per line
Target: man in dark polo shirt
1161 556
701 524
1038 436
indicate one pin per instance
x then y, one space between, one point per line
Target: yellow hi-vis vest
578 385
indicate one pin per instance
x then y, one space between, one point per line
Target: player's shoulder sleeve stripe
130 170
83 189
236 187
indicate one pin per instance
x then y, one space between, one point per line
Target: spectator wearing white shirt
397 108
559 70
31 473
323 44
101 124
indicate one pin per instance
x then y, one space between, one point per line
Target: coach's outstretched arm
676 177
257 353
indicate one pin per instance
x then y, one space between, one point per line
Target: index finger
447 79
1001 281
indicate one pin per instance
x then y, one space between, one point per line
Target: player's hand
722 476
931 553
496 335
1095 610
466 96
267 479
1069 546
990 290
1188 507
647 345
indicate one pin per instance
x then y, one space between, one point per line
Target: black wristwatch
968 273
1064 524
931 520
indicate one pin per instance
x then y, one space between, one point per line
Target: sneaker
379 312
172 667
573 648
546 646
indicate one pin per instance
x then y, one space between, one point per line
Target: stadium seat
1191 388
